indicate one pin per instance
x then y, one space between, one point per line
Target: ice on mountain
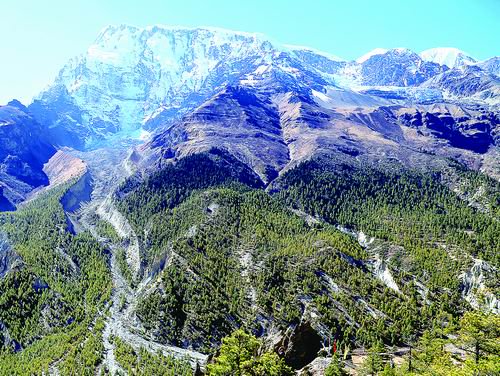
320 96
129 76
451 57
376 51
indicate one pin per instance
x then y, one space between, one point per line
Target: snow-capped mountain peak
130 72
376 51
449 56
134 78
293 48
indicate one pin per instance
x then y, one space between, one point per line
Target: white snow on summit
130 72
449 56
291 47
133 77
376 51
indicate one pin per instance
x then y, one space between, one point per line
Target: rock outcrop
24 149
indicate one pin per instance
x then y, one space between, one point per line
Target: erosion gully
108 168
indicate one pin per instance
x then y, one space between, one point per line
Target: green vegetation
336 367
106 230
64 344
205 241
472 184
203 288
477 350
85 358
374 362
121 259
227 259
49 302
408 208
144 363
239 355
173 184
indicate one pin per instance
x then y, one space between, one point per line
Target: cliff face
23 147
23 152
143 79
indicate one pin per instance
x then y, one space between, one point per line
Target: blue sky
38 37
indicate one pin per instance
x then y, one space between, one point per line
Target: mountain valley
179 191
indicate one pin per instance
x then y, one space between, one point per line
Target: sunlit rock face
130 76
188 90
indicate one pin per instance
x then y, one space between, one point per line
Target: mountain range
190 182
134 82
133 78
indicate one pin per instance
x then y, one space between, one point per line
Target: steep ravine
107 169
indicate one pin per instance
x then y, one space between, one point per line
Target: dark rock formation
24 149
78 194
301 347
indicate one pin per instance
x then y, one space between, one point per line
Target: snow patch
322 97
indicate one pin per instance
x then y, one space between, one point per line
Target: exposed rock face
79 193
271 121
24 149
491 65
237 119
301 347
62 167
9 259
322 62
109 213
132 79
472 83
474 286
5 204
6 340
472 129
398 67
62 117
316 368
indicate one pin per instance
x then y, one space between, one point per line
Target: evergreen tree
336 367
238 356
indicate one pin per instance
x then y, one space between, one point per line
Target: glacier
133 79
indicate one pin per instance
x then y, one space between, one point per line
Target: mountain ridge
197 184
132 78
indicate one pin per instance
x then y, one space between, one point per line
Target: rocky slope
135 80
30 163
271 122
